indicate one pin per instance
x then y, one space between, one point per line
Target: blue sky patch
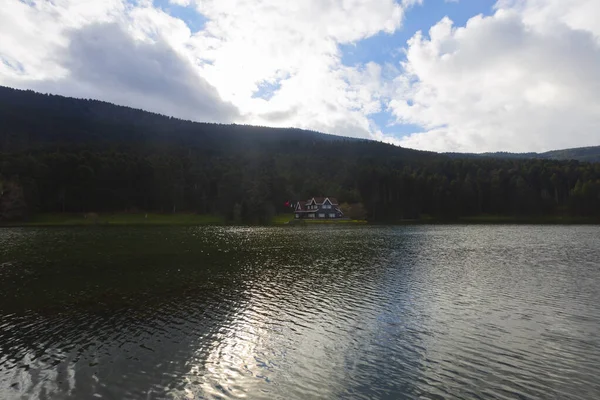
385 121
14 64
193 19
266 90
386 48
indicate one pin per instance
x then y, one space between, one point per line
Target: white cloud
105 60
245 45
127 55
294 45
523 79
31 32
183 3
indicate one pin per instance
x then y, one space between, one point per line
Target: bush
354 211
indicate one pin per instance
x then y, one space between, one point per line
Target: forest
65 155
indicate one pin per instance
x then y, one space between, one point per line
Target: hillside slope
68 155
584 154
70 122
588 154
32 120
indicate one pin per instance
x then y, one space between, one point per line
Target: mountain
60 154
71 122
35 121
584 154
588 154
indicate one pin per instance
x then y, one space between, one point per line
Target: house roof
320 200
303 205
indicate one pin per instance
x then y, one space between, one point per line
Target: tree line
69 155
253 189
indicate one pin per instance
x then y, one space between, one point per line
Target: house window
321 215
297 215
332 215
311 215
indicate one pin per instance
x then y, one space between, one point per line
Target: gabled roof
302 207
321 200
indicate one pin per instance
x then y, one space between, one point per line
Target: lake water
425 312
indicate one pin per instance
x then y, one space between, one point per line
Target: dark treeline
67 155
458 188
587 154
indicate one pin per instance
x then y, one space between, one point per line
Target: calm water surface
471 312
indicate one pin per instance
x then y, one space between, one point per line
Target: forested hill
37 121
586 154
60 154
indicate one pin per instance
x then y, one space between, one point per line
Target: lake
352 312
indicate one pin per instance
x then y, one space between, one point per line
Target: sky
441 75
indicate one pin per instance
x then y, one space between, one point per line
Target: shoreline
184 219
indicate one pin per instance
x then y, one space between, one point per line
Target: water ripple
450 312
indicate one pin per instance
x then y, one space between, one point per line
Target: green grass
548 219
335 221
502 219
283 219
134 219
68 219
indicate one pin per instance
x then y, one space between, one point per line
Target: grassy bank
118 219
283 219
135 219
506 220
550 220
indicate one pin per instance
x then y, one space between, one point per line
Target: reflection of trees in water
131 330
226 311
329 312
131 350
142 311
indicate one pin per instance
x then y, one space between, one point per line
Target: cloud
183 3
135 54
293 46
31 32
523 79
98 57
150 75
104 60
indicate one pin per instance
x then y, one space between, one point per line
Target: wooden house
318 208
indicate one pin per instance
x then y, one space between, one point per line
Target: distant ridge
65 155
585 154
34 120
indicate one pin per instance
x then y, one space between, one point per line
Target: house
318 208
